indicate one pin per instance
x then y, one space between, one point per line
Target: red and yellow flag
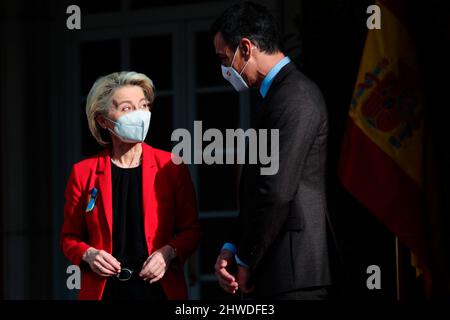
382 155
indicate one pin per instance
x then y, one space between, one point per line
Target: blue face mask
235 78
132 127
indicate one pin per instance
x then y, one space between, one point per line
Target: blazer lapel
280 77
105 186
264 105
149 170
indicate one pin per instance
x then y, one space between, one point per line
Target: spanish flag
382 159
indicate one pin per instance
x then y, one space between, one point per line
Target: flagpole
397 267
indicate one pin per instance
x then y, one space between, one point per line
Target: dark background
47 70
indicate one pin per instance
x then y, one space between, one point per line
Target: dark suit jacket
282 220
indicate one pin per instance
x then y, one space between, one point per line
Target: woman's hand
101 262
157 264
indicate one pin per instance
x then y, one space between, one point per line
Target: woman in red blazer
130 216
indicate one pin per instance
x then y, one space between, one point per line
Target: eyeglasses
124 274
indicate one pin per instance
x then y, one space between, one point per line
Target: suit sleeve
74 229
187 226
298 120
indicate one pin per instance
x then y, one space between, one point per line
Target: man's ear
246 46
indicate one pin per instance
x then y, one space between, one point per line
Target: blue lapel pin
92 198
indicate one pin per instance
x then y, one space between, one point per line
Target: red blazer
169 209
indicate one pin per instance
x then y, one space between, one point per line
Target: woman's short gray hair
99 99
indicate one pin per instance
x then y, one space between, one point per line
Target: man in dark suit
280 243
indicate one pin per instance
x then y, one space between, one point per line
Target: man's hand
101 262
242 278
225 278
157 264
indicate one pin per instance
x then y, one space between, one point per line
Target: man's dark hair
249 20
